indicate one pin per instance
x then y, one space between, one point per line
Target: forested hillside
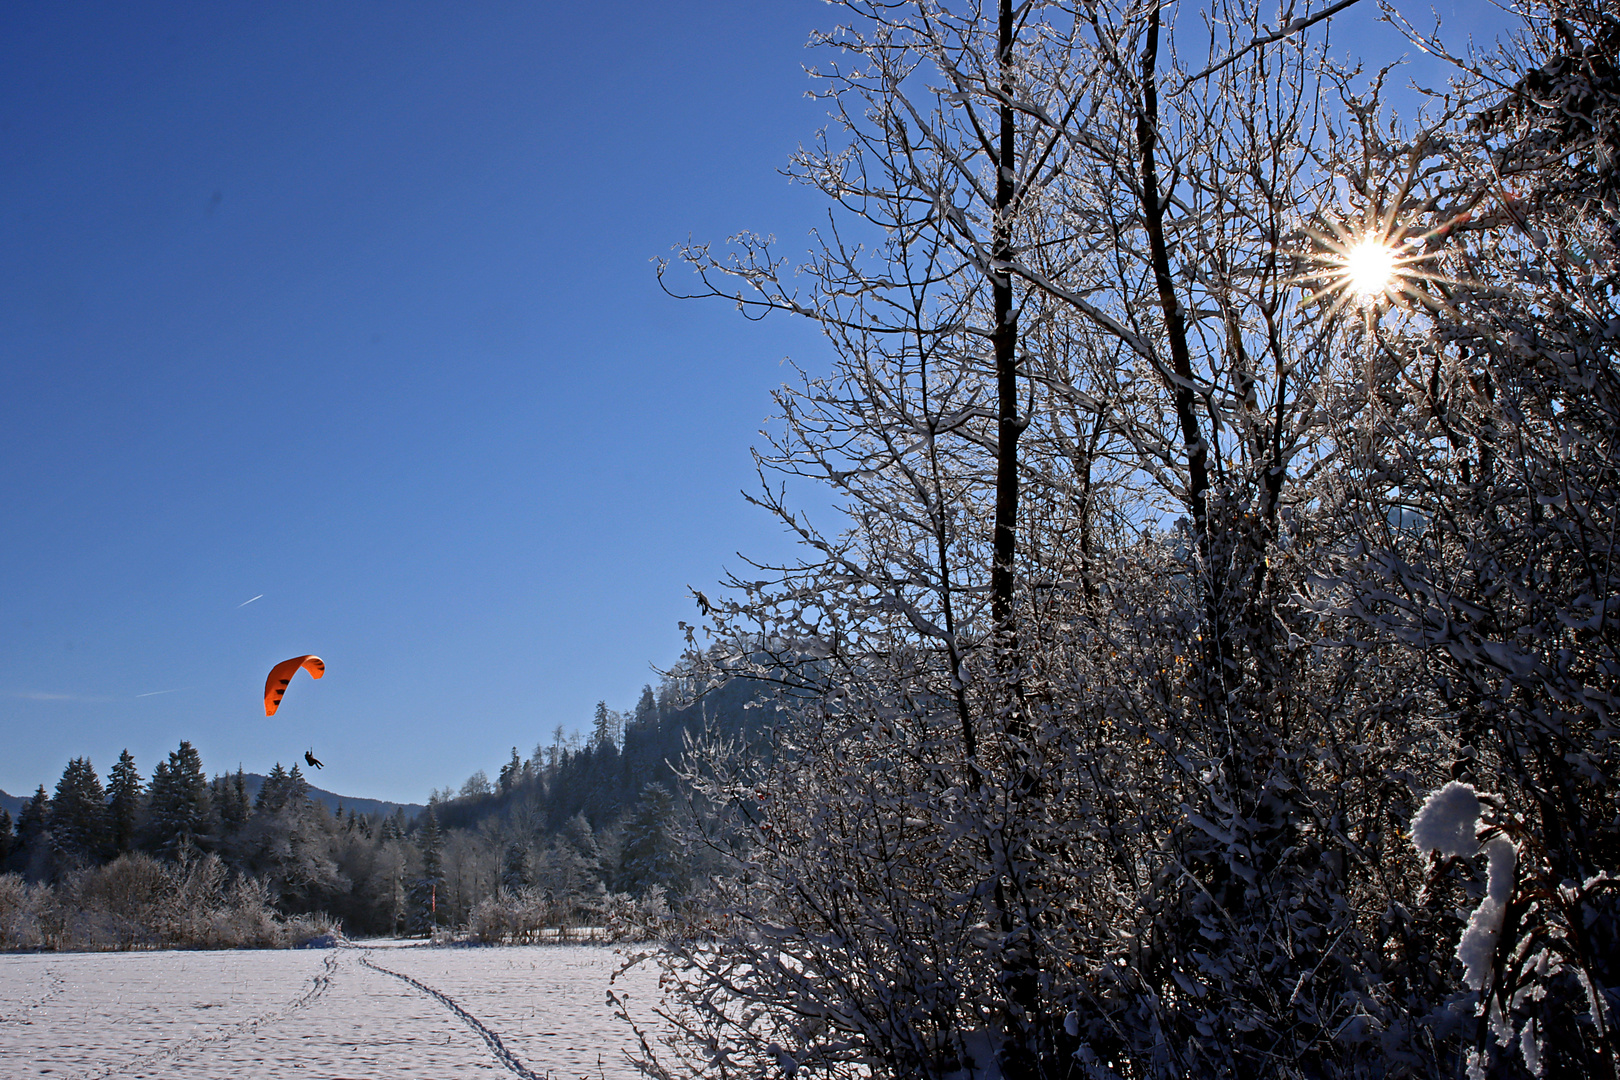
580 828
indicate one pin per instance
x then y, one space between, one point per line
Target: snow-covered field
390 1010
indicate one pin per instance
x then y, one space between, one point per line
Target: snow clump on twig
1448 823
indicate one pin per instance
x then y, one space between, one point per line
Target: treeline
579 833
587 831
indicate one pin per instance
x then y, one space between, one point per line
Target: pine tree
647 707
515 872
124 801
511 772
606 727
33 847
297 788
180 812
273 794
8 840
651 854
78 820
32 822
426 900
231 800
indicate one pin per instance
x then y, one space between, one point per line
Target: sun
1374 264
1370 268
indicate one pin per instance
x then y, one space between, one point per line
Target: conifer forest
1202 645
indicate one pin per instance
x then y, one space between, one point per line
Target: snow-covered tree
179 812
78 819
1486 498
476 786
569 874
1106 706
516 874
651 855
289 842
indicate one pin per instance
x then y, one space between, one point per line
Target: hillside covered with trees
580 829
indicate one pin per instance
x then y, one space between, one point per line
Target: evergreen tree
426 904
32 822
572 875
652 854
297 788
231 800
606 727
511 772
515 873
282 790
273 794
124 801
178 805
33 853
78 819
8 840
292 844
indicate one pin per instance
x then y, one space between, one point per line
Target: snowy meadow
379 1009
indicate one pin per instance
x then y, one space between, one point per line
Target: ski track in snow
379 1010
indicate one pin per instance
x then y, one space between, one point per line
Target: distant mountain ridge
13 804
332 801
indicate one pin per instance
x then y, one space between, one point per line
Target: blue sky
348 307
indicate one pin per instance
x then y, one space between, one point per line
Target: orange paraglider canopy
282 674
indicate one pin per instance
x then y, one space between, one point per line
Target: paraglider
309 756
280 675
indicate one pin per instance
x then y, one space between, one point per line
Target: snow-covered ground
390 1010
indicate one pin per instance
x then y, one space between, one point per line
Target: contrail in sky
245 603
155 693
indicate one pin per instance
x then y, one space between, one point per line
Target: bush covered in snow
136 901
1178 577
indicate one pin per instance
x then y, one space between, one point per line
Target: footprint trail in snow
387 1010
491 1040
